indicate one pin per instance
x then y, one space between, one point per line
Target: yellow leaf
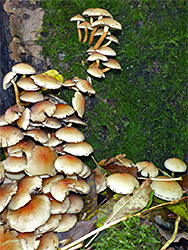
55 74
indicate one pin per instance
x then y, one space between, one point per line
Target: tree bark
7 98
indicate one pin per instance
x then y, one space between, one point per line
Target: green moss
142 110
129 234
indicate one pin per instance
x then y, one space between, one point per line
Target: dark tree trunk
7 98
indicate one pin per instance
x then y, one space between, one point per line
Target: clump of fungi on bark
42 175
100 22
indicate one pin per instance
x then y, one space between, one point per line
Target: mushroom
2 172
41 110
23 121
9 240
48 241
62 111
78 103
68 164
78 18
74 119
58 207
10 136
14 164
23 68
85 87
38 135
175 165
96 72
46 81
66 223
26 145
76 204
78 149
48 182
13 113
69 134
8 80
51 224
107 23
20 68
111 64
28 84
107 51
86 26
31 216
6 192
26 186
28 241
99 13
41 162
147 169
122 183
31 96
166 190
96 57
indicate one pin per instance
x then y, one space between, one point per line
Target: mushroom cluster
100 22
163 187
42 175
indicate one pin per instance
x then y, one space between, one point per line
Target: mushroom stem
92 65
101 39
79 34
16 92
157 179
105 70
86 35
92 35
106 44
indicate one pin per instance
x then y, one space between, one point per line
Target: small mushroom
10 136
107 23
166 190
147 169
122 183
175 165
41 110
111 64
66 223
63 110
86 26
78 103
78 18
46 81
96 72
68 164
78 149
69 134
8 80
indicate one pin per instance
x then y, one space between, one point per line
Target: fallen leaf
131 204
55 74
114 168
179 208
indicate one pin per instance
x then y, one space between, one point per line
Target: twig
174 234
98 230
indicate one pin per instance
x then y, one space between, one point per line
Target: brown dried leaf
114 168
